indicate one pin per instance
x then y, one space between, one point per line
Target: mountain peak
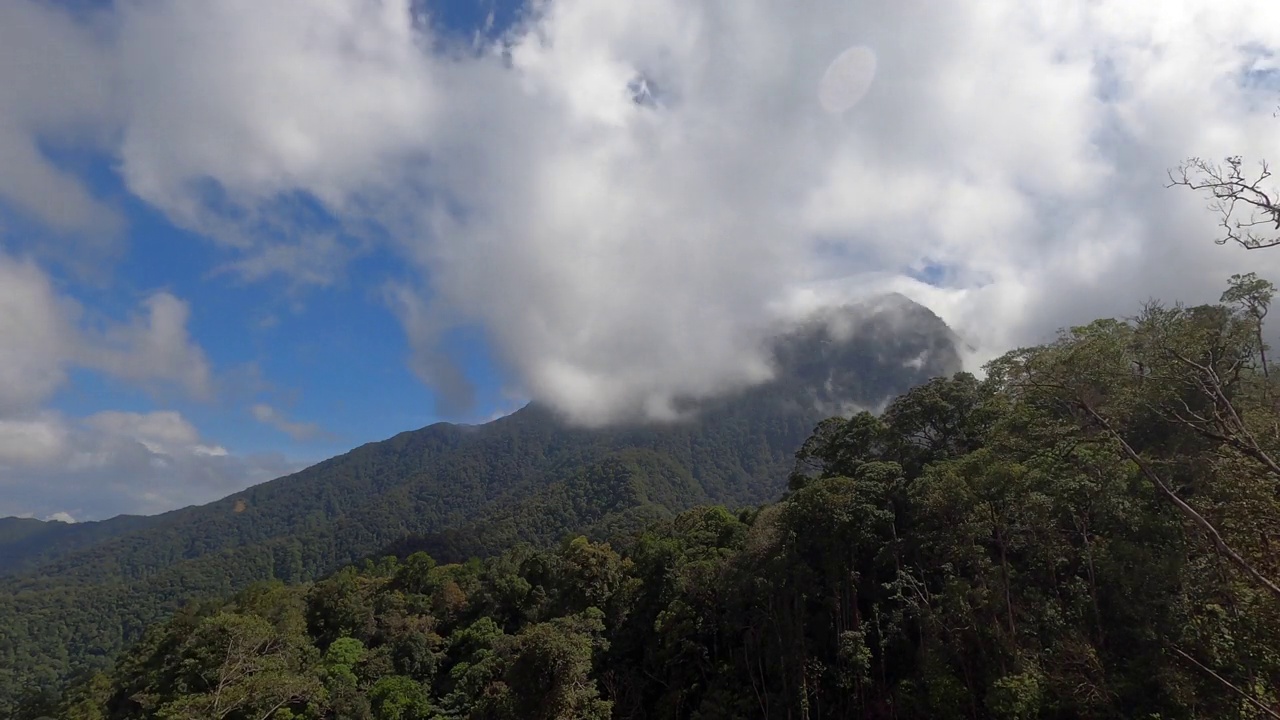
837 360
860 355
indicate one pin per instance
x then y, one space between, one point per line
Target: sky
239 237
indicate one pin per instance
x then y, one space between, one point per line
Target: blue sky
237 237
330 360
332 356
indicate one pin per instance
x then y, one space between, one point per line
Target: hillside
26 542
1066 538
527 476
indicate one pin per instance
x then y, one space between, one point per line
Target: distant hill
26 542
75 596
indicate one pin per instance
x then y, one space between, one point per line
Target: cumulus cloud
44 332
32 442
37 335
628 196
155 346
110 463
268 415
274 113
53 87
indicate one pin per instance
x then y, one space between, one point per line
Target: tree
239 666
1252 296
1088 530
1248 207
549 675
1192 364
397 697
1179 396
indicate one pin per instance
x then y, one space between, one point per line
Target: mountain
1065 538
73 599
26 542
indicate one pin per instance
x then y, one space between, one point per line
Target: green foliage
1088 532
74 596
1015 697
1249 293
396 697
548 675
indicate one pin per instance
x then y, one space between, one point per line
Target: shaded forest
1089 531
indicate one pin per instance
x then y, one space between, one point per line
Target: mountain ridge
526 477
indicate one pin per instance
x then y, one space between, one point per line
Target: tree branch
1232 429
1233 195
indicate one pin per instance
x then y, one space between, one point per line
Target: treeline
1088 532
522 480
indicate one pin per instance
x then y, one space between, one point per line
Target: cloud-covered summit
1005 165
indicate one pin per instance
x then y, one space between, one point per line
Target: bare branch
1250 212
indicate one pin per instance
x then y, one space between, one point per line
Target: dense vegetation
76 597
1088 532
26 543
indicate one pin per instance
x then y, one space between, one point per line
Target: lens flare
847 79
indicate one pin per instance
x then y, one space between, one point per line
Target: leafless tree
1248 206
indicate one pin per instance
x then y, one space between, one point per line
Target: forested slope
26 543
1088 532
459 490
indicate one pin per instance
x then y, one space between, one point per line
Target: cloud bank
627 197
112 462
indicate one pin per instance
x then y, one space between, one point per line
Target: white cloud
328 97
118 462
32 442
43 333
269 415
160 432
619 253
53 87
36 335
153 347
